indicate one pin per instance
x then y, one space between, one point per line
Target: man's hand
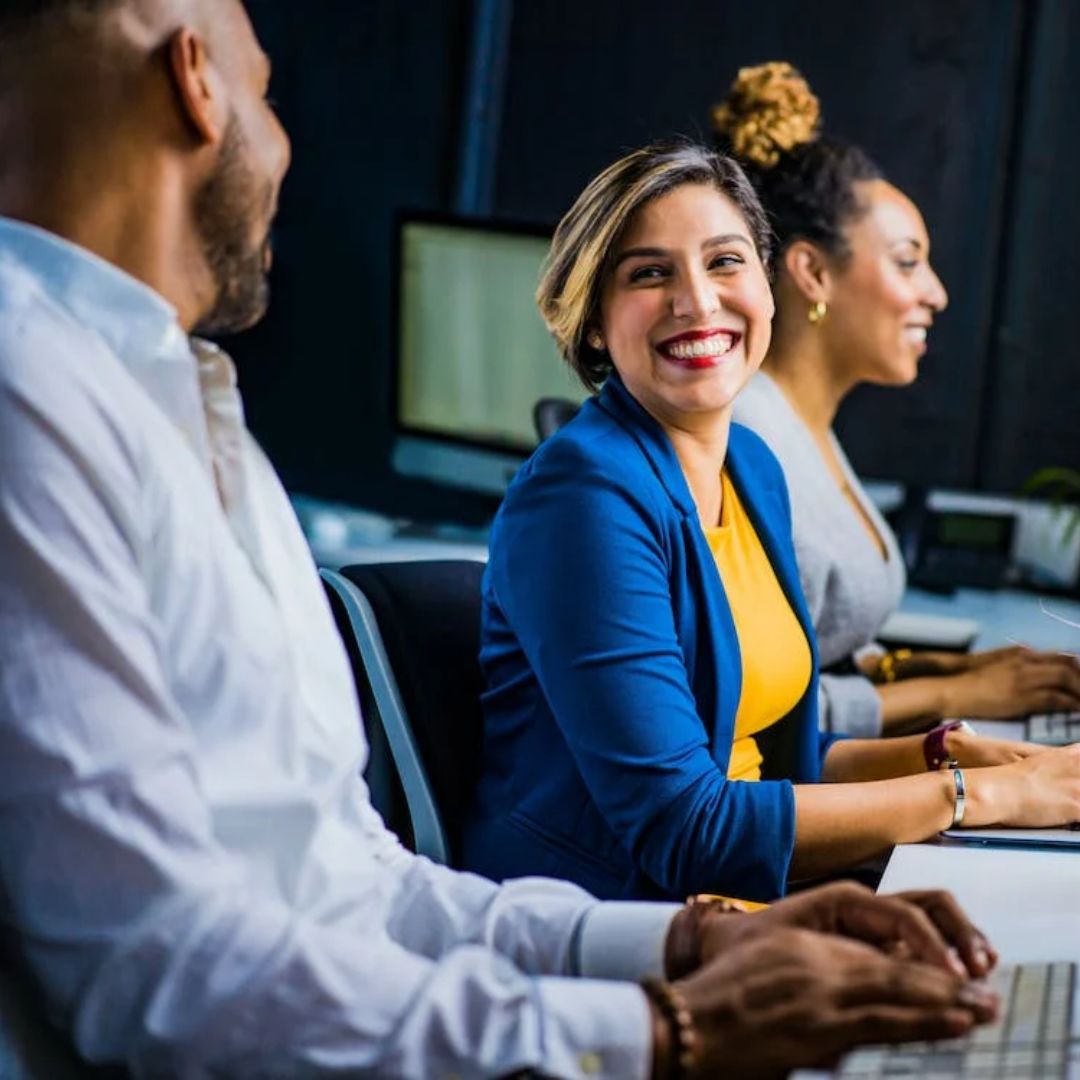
926 926
793 998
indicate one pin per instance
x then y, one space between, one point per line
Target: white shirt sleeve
153 945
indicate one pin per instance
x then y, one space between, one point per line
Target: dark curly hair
769 122
589 234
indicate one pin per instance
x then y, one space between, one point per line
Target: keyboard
1036 1037
1054 729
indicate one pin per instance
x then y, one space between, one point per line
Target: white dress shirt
189 861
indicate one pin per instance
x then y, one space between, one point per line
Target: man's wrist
682 950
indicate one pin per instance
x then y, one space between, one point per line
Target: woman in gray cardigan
855 299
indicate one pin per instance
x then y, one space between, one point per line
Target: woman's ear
809 271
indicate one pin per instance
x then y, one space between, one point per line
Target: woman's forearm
839 825
912 704
873 759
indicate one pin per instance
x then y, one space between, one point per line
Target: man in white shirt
189 863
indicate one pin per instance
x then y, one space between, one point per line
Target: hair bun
769 110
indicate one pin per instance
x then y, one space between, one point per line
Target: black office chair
550 413
416 638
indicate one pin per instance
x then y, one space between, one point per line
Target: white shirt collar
137 323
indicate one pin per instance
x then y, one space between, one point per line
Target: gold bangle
887 664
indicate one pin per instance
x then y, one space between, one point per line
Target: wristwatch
933 748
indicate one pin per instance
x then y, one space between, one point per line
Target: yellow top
773 647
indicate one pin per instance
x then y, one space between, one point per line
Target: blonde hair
769 110
587 237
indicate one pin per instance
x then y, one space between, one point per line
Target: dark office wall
926 87
372 92
369 91
1034 368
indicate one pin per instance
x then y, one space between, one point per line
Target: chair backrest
417 629
550 413
384 781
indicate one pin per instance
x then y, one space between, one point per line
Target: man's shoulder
38 338
60 385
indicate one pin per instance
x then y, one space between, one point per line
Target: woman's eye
646 273
725 262
907 265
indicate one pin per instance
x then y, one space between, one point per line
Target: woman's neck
701 447
800 367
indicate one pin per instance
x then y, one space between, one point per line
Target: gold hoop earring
817 312
595 340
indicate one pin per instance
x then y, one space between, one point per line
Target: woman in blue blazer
611 654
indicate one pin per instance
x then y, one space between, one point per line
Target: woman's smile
700 349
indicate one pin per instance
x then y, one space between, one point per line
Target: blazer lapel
717 686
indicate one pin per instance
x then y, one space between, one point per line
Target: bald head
141 130
49 32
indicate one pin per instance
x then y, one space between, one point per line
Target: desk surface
1026 901
1005 617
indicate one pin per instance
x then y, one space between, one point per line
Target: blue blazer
613 673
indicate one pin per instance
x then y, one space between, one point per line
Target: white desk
1026 901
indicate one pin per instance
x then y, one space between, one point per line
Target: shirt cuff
594 1029
850 705
624 940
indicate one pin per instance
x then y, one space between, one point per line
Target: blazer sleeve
580 566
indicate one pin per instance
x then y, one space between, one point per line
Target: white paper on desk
1018 837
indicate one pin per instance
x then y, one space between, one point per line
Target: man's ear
199 87
809 271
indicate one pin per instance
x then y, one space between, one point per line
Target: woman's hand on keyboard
1042 791
1013 682
972 751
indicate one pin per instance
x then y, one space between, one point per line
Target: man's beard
225 210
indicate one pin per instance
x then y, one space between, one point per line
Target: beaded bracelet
673 1008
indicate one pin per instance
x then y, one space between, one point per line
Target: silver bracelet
961 797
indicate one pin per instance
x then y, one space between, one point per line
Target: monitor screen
473 354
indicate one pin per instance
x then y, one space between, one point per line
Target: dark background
507 109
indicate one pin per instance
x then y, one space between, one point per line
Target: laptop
1036 1036
1066 837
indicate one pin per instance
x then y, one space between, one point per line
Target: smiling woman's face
686 308
885 297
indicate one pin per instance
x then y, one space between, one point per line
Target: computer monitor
473 355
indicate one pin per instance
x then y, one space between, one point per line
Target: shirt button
590 1063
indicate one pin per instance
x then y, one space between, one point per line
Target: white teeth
915 334
714 345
